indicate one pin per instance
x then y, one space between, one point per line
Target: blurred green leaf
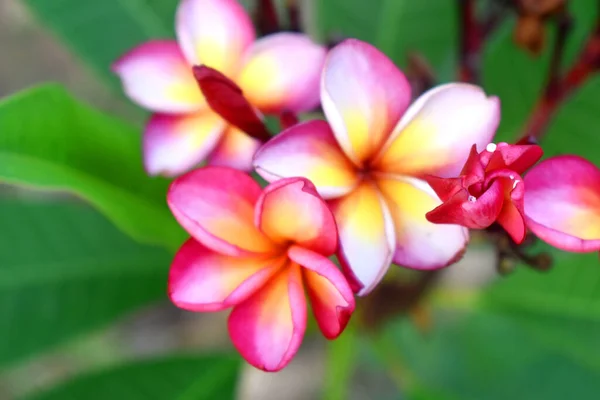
65 270
341 365
101 31
571 289
49 140
519 78
174 378
489 356
397 27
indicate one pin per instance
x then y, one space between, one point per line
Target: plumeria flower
489 189
258 252
562 203
276 73
369 160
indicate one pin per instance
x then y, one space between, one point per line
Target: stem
560 87
266 17
294 16
470 42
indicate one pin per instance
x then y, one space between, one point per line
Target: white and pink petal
203 280
174 144
436 133
156 76
363 95
330 294
420 244
282 73
291 211
215 33
267 328
562 203
366 235
216 206
310 150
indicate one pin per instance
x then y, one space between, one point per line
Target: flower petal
562 203
214 33
468 211
439 129
310 150
363 95
511 217
330 295
156 76
203 280
366 237
291 211
174 144
216 206
518 158
227 100
267 329
419 243
235 150
282 73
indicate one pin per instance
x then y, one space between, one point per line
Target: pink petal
267 329
156 76
227 100
308 149
511 217
330 295
366 237
291 211
518 158
215 33
235 150
438 130
282 73
216 206
562 203
174 144
363 95
468 211
203 280
420 244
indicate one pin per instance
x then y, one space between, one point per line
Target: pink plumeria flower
370 158
258 251
562 203
276 73
489 189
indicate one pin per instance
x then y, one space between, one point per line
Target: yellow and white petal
282 73
174 144
420 244
156 76
215 33
366 235
363 95
437 132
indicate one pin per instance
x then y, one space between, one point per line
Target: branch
266 17
558 88
470 42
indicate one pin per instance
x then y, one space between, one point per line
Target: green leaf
519 78
482 355
64 271
341 365
397 26
101 31
174 378
571 289
51 141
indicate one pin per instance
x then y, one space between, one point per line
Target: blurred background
78 318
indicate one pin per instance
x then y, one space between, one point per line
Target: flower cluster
380 181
